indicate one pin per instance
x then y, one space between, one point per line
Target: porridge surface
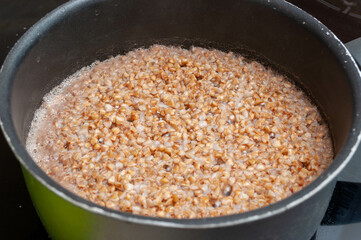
178 133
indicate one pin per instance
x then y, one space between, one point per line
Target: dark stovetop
18 219
343 17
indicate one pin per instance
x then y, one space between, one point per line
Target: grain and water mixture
178 133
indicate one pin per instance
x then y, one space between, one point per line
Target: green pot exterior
62 220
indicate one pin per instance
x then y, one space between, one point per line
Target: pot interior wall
95 31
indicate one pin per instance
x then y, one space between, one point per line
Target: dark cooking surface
343 17
18 218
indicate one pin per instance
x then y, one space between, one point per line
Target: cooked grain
178 133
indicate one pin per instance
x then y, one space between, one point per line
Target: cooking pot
274 32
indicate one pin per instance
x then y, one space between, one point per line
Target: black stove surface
18 218
343 17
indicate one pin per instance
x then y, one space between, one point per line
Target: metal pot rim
30 38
